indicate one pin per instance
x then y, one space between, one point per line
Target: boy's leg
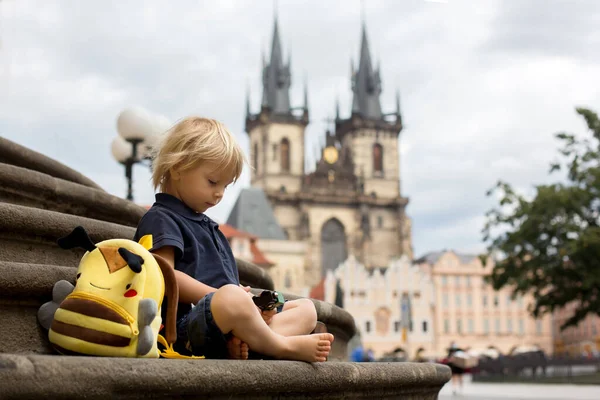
298 317
233 311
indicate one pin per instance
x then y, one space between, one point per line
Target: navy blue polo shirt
201 249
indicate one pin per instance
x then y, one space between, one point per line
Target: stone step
15 154
38 190
62 377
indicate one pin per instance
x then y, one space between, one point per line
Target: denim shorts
198 334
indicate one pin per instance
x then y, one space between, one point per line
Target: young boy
195 163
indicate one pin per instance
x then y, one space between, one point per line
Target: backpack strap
172 293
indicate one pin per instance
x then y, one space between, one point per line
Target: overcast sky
484 84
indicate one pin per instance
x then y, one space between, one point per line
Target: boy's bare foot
310 348
237 349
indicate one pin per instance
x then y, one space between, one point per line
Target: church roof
276 78
252 213
366 83
434 256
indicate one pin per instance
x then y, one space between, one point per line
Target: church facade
351 203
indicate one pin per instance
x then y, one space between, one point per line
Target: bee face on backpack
116 270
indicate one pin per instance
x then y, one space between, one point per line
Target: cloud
554 28
484 86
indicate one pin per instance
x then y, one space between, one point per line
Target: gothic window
255 158
285 155
377 159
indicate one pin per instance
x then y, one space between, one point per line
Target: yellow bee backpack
114 309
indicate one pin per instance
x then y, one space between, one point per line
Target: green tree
550 245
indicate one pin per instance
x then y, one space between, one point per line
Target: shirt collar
174 204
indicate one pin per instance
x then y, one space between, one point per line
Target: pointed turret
366 84
398 114
305 96
248 112
276 78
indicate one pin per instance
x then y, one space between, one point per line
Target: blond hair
193 141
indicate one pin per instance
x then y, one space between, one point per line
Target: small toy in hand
268 300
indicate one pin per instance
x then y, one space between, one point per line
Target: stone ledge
38 190
15 154
101 378
28 235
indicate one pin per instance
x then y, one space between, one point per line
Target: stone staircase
42 200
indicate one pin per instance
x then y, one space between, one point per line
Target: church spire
305 95
366 83
248 113
276 78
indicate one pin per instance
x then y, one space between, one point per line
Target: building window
496 302
396 326
469 300
509 326
445 300
459 326
255 158
285 155
368 326
457 280
486 326
377 159
485 300
424 326
497 326
521 327
508 300
444 280
468 281
379 221
446 326
471 325
457 299
520 301
288 279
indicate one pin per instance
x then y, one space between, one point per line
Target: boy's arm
190 290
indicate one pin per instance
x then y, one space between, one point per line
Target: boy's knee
229 297
308 308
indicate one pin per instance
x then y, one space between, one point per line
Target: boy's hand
247 289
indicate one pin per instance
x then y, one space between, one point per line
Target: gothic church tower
351 204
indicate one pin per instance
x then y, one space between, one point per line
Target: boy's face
201 187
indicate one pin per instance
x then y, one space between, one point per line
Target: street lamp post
138 133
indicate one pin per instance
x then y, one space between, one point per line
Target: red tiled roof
258 257
318 291
230 232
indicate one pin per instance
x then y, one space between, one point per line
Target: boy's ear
174 173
